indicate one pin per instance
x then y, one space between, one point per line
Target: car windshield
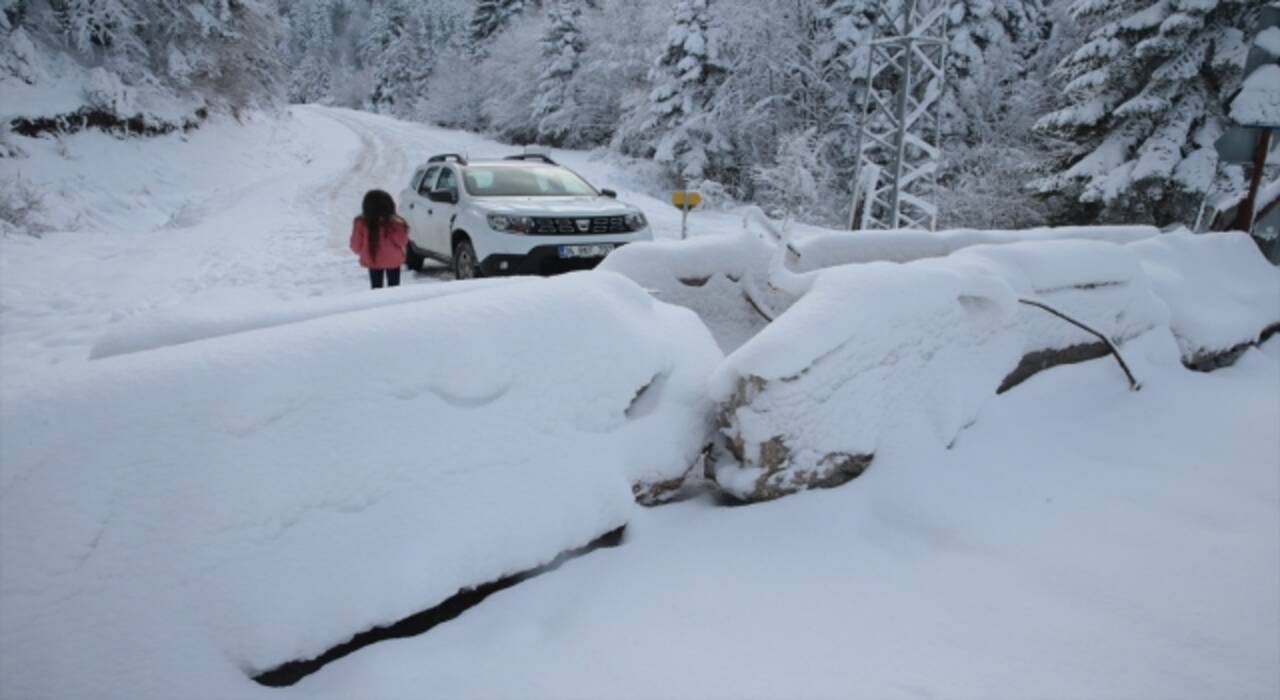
523 181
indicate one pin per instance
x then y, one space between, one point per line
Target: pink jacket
392 240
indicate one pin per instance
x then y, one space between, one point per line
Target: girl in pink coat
379 237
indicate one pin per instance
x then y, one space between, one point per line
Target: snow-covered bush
22 207
282 489
798 184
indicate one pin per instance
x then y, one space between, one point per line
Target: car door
442 213
415 207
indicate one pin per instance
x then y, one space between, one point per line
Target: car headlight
636 221
510 224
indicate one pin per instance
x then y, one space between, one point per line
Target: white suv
520 215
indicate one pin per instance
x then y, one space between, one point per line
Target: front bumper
540 260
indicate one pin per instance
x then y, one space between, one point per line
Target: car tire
465 265
412 258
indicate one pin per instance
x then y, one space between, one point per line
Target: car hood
554 206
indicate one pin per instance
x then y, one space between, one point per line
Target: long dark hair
377 209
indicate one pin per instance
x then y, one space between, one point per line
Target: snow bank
1221 293
722 278
879 350
844 247
173 521
227 311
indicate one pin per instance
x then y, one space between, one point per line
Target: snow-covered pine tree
612 83
685 77
849 28
1145 100
492 16
563 44
845 52
401 54
311 80
165 61
995 94
780 79
102 24
976 26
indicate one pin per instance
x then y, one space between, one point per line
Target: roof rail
446 156
533 156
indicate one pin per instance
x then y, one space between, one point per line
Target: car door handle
430 212
410 205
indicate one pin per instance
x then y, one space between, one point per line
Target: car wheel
464 261
412 258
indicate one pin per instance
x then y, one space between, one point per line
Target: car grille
583 226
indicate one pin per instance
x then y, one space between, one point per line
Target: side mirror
609 193
446 196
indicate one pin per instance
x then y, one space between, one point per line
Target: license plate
595 250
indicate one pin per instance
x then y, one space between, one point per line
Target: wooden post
684 210
1244 215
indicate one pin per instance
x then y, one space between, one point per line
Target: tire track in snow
379 163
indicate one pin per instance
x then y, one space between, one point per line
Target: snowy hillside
263 458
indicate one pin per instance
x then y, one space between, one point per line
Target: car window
425 186
531 181
416 182
447 180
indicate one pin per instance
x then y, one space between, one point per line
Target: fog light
502 265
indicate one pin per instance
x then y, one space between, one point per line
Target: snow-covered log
844 247
912 351
280 490
725 279
1223 296
714 276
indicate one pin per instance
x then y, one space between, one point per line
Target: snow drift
225 314
723 278
845 247
176 520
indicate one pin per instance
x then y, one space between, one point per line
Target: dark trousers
392 273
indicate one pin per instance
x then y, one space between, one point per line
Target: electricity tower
899 140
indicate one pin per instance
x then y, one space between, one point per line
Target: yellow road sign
686 199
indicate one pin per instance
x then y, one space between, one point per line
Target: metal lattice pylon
899 141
